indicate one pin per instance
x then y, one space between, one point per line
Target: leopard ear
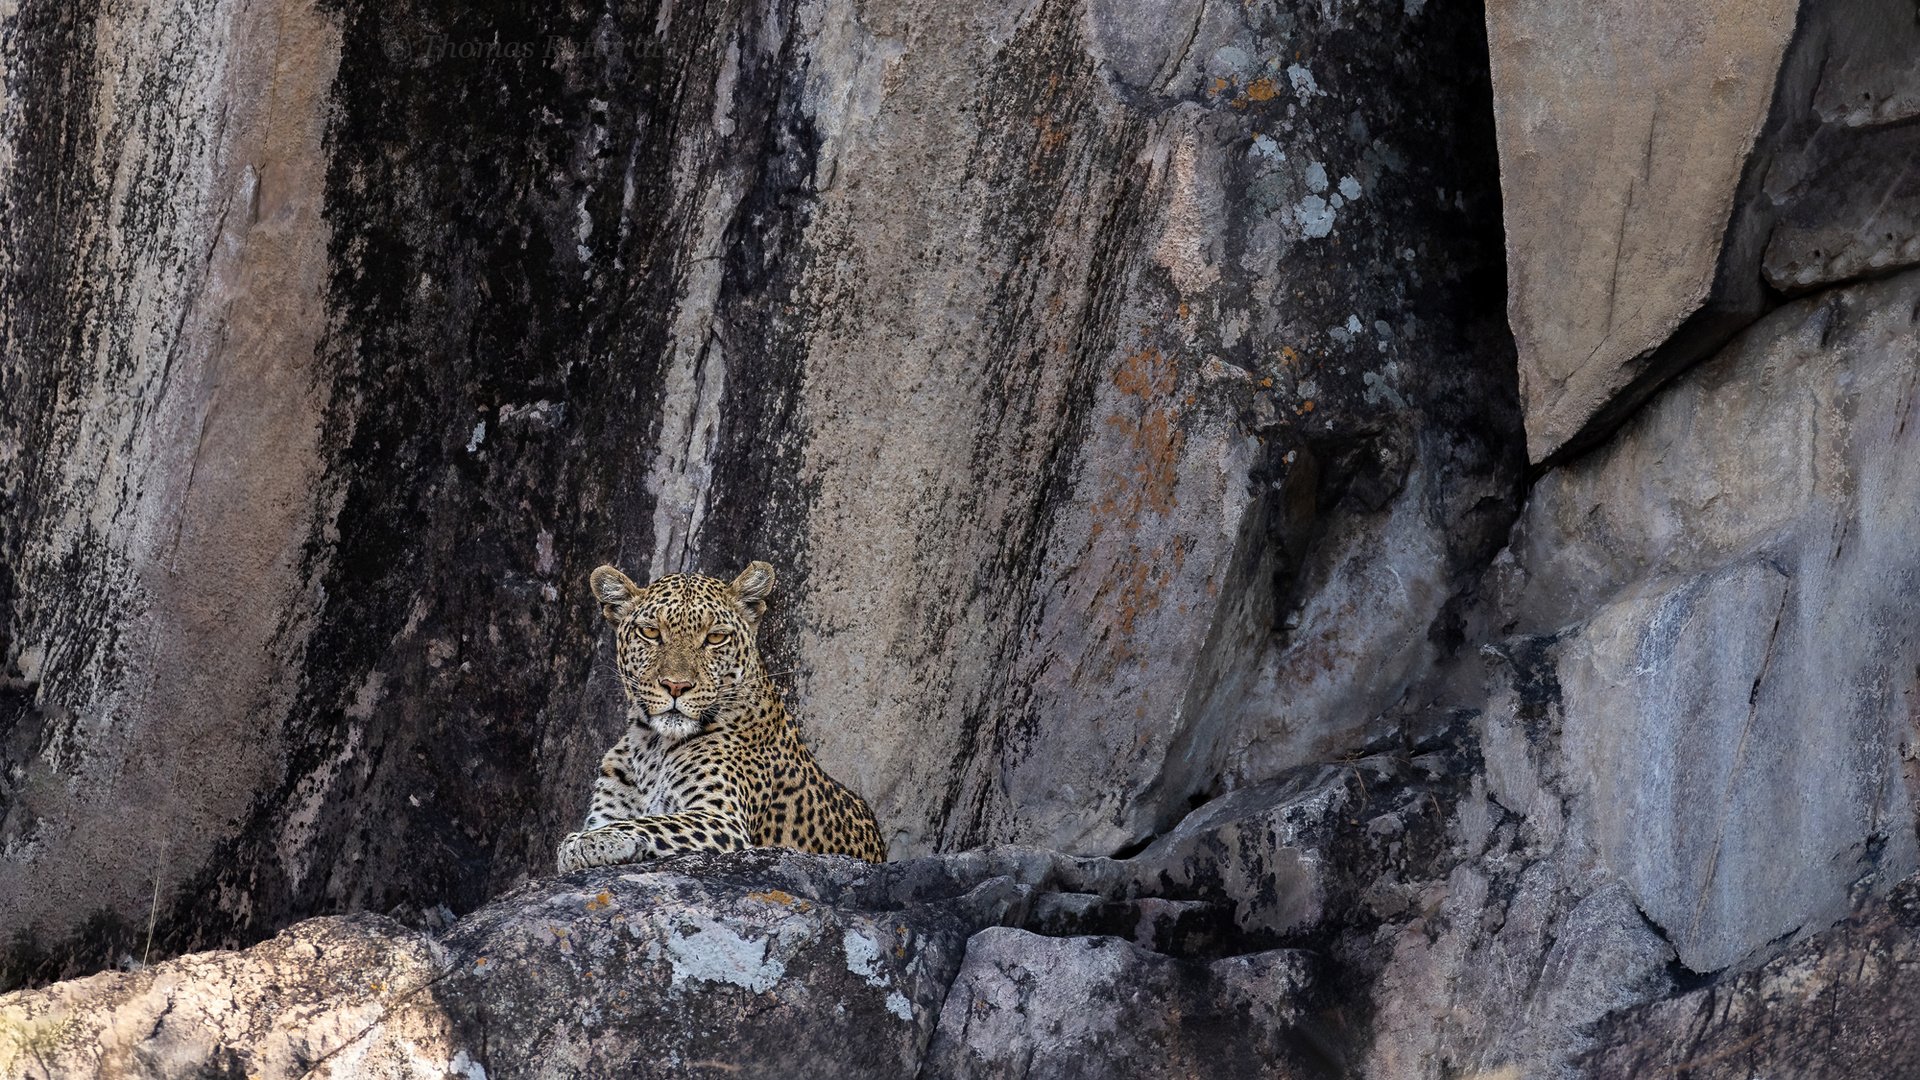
615 591
752 586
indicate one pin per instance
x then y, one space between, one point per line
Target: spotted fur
710 760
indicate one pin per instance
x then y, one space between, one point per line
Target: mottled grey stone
1844 1003
1030 1006
763 964
1849 207
1732 579
1604 957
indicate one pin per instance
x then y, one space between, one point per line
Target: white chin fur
674 725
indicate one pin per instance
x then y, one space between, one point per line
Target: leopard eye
649 632
716 638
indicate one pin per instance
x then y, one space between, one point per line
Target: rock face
763 964
1618 202
1102 397
1025 1006
1447 934
1839 1004
1120 391
1664 173
1730 586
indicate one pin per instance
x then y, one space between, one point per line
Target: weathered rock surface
1730 586
1842 1003
1008 962
1030 1006
160 437
1100 401
760 964
340 995
1665 172
1119 389
1624 131
1466 927
773 969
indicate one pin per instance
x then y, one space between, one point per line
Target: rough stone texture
1731 581
1691 740
649 972
1664 172
1470 930
782 970
160 431
1209 376
1120 392
1497 946
1102 399
768 963
1841 186
760 964
1624 128
337 993
1028 1006
1840 1004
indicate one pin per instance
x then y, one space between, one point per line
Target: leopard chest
718 771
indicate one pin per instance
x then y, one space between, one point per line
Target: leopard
710 761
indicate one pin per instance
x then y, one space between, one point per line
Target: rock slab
1089 1007
760 963
1729 587
1668 174
1844 1003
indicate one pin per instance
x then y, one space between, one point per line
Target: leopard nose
675 689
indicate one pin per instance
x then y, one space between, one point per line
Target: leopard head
686 645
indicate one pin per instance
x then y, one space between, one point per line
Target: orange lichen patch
1146 374
598 902
785 900
1261 90
1052 137
1219 85
1148 484
1183 310
1287 355
1140 484
1141 585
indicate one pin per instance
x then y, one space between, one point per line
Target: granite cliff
1365 539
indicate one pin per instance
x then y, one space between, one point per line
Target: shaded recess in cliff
1389 476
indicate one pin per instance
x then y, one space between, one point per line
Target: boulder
1625 128
341 996
1087 1007
761 964
1664 173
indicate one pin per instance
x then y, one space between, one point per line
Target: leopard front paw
598 847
